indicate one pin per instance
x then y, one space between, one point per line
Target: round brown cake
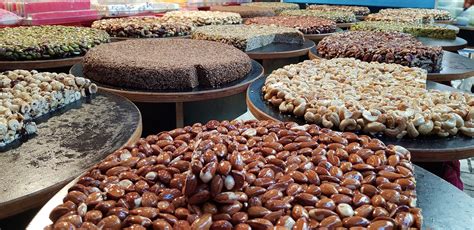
160 64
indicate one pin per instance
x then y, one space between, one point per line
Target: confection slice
398 18
428 14
417 30
27 95
357 10
276 6
142 27
388 47
245 11
305 24
253 175
351 95
248 37
337 16
165 64
48 42
201 18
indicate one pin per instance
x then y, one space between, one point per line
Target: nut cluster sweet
426 14
388 47
48 42
248 37
351 95
252 175
357 10
246 11
275 6
337 16
202 18
26 95
306 25
396 18
417 30
142 27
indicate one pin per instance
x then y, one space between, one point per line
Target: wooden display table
453 67
39 64
443 205
423 149
68 143
179 97
446 44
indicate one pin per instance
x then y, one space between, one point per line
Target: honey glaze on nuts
206 176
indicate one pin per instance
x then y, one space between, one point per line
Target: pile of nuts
48 42
417 30
387 47
275 6
337 16
248 37
351 95
245 11
142 27
202 18
357 10
307 25
426 14
252 175
26 95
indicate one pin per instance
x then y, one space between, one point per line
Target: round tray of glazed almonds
453 66
422 148
253 195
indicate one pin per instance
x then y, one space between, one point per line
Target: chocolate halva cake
357 10
246 11
142 27
307 25
248 37
161 64
388 47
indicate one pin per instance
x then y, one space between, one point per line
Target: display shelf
376 3
67 143
436 197
179 97
318 37
446 44
424 149
39 64
281 50
453 67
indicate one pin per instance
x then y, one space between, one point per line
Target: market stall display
248 37
275 6
27 96
48 42
235 185
305 24
337 16
388 47
245 11
417 30
383 98
68 142
431 148
142 27
357 10
202 18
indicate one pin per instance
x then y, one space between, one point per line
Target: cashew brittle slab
351 95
